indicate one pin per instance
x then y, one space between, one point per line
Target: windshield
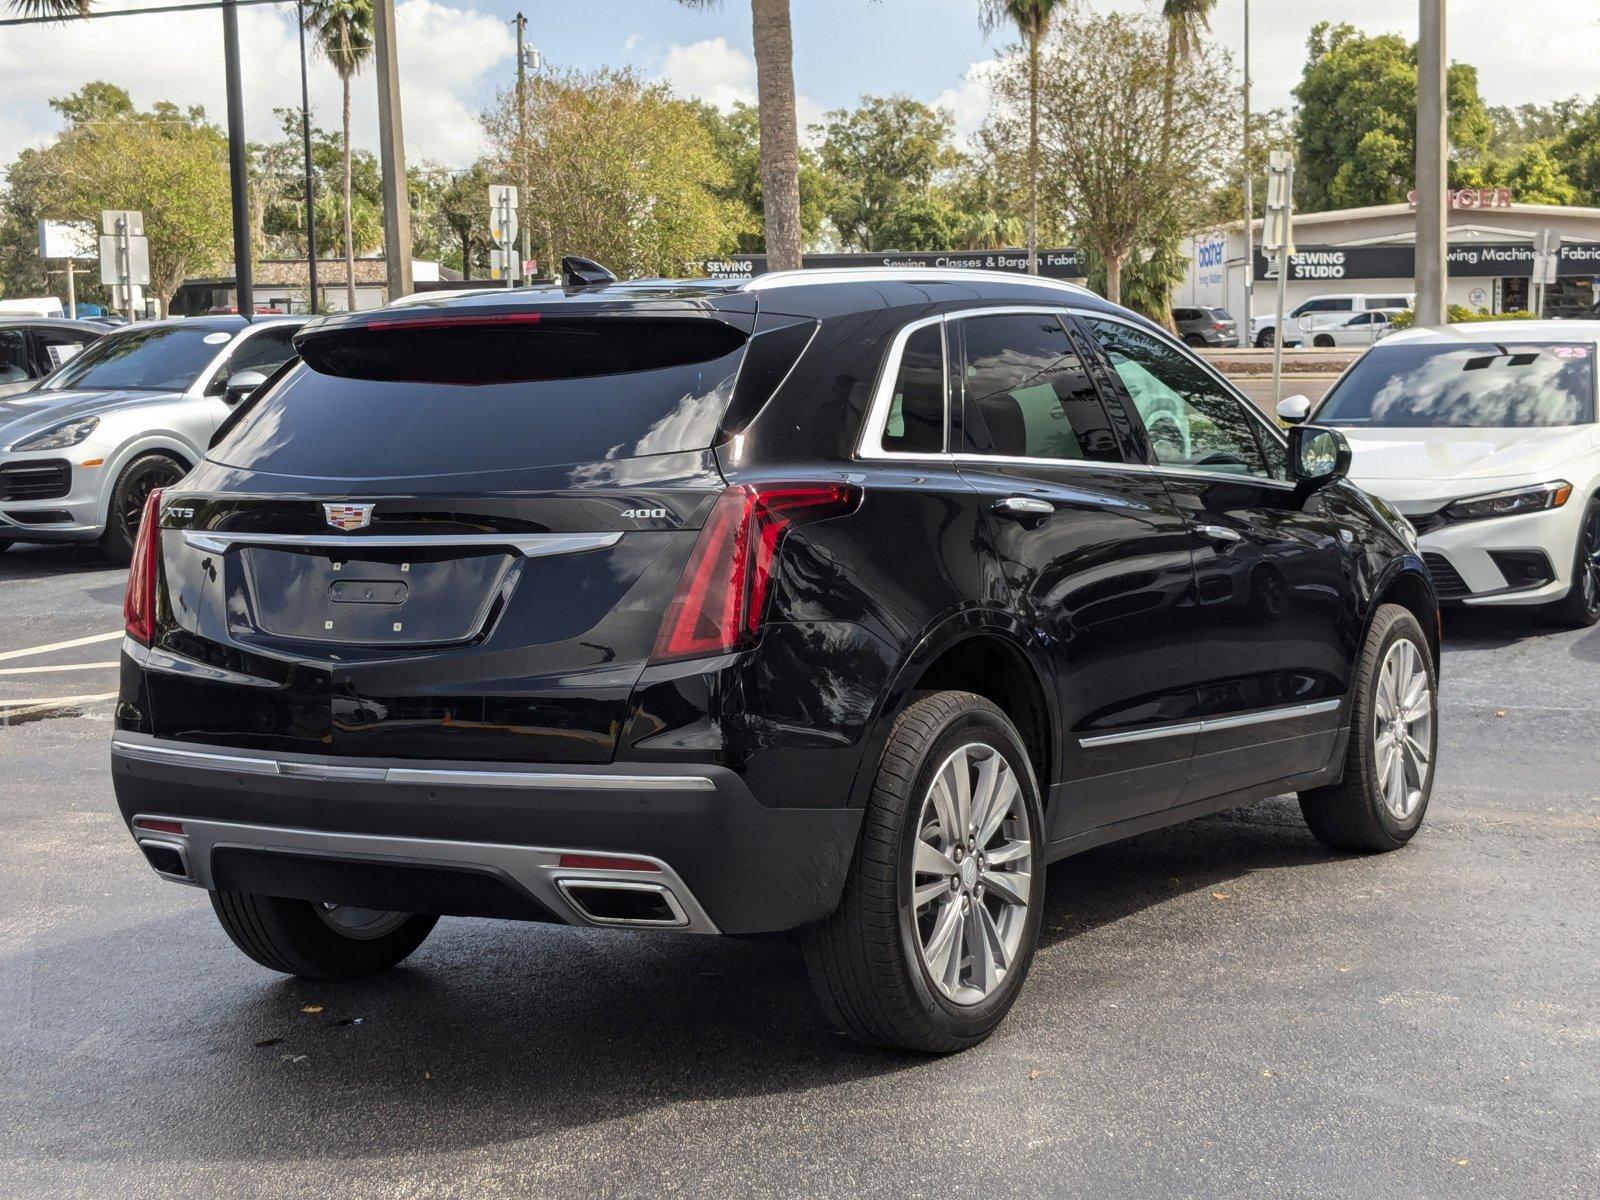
1487 385
156 358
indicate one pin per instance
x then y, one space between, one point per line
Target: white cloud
968 102
447 57
723 75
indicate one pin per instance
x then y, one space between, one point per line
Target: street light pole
1432 147
392 153
521 23
238 179
305 139
1249 193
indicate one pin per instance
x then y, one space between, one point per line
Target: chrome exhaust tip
628 903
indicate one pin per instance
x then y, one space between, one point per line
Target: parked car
32 347
1363 329
838 602
1319 312
1206 326
81 450
1485 438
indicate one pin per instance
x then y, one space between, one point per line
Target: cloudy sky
455 53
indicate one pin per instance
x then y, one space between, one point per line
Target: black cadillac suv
831 602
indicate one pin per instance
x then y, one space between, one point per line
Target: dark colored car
32 347
1206 327
831 602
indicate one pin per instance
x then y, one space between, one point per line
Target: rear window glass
575 404
1485 385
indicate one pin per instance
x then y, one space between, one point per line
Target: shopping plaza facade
1371 251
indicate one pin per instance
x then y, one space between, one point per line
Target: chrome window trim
1211 724
250 764
529 545
872 430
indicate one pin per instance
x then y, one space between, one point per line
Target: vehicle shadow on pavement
33 561
1480 629
493 1032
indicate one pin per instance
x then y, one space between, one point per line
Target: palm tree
1187 21
60 10
1032 19
343 29
780 140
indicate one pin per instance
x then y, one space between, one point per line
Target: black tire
289 936
1264 340
866 961
1193 339
1351 814
1322 341
1580 608
138 479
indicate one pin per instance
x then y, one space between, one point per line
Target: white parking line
67 645
99 666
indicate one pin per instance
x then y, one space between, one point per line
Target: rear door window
1026 393
52 347
14 366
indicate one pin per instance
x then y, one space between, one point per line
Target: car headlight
57 437
1509 503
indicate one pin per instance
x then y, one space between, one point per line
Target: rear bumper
482 839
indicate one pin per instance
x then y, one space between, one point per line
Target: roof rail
816 276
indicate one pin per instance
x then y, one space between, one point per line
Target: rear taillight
139 601
1218 325
722 593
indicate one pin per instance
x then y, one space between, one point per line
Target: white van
32 306
1319 312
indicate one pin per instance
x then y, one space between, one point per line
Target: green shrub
1460 314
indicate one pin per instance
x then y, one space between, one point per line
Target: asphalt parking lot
1221 1009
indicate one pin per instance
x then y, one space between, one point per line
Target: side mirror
1318 455
1294 409
241 385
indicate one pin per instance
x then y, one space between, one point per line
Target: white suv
1320 312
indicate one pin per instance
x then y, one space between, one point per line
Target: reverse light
721 596
58 437
1510 503
139 601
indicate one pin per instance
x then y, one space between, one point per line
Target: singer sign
1459 198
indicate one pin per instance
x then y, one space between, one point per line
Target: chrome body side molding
1211 724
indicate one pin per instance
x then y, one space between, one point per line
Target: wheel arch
1408 584
156 443
988 653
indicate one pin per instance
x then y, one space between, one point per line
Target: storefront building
1371 251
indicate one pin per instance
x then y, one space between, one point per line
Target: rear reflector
158 825
139 600
722 594
605 862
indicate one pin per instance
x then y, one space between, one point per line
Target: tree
1104 157
885 154
780 140
624 173
735 136
168 163
1357 119
461 214
1032 19
344 32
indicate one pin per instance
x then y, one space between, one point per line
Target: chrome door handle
1023 506
1219 533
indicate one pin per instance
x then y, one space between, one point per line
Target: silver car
80 451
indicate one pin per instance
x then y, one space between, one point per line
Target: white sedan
1362 329
1484 436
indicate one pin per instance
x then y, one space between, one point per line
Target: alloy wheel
972 874
1402 719
1589 559
361 924
154 472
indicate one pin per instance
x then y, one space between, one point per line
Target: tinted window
265 352
1025 392
1185 314
13 356
1483 385
56 346
333 426
1388 302
916 413
1221 314
1191 419
1316 306
160 357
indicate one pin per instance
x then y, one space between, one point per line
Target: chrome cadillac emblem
348 516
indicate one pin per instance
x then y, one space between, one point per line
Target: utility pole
521 22
1249 193
238 179
1432 147
1277 237
392 153
305 138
